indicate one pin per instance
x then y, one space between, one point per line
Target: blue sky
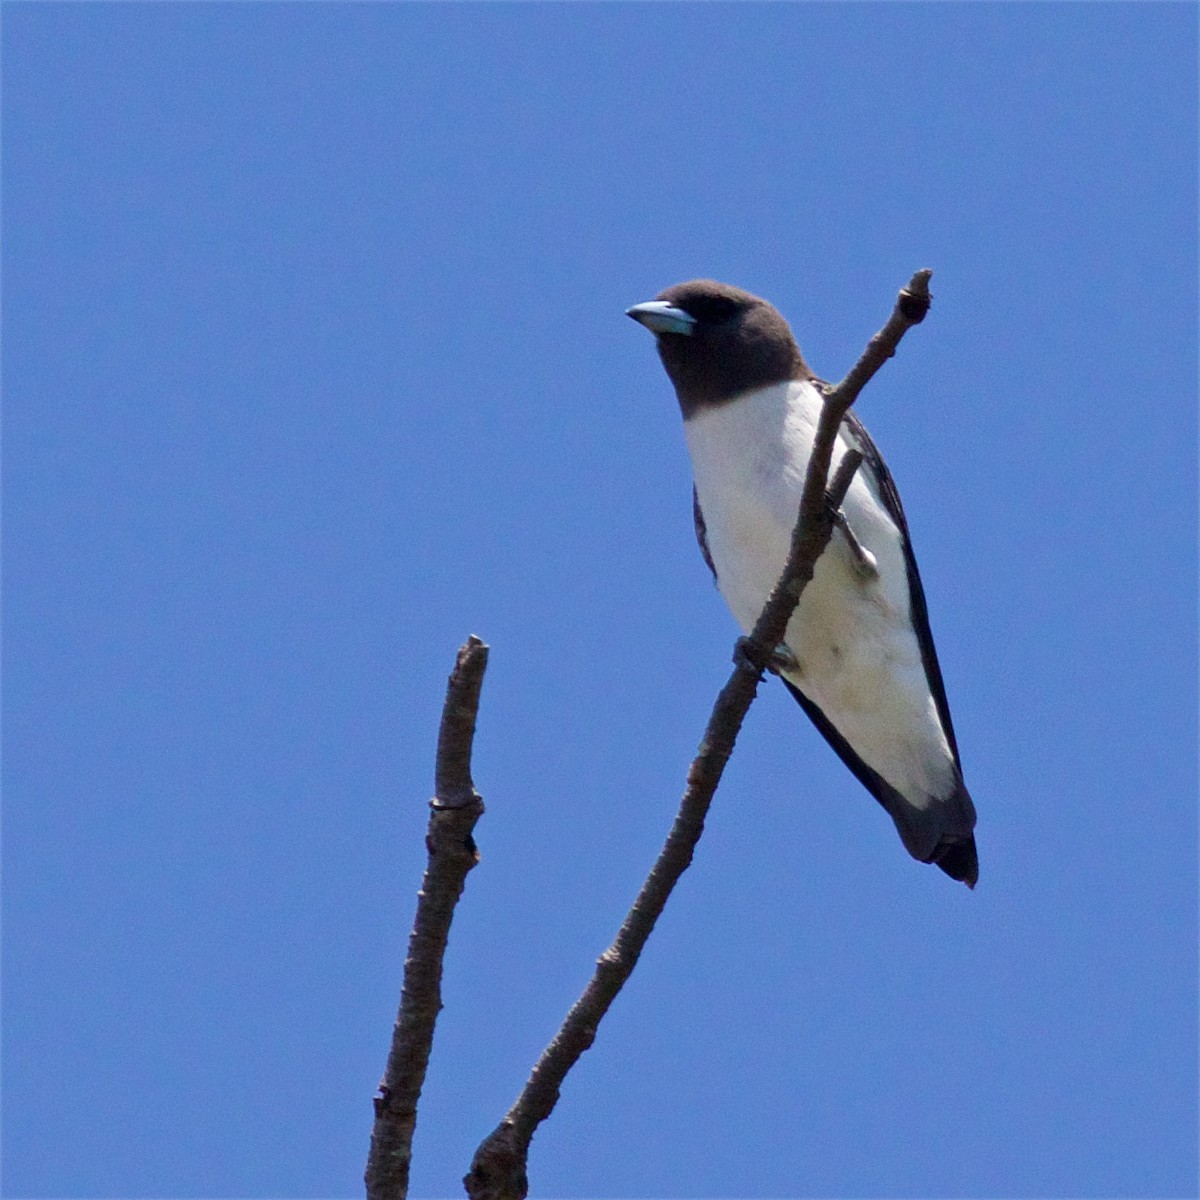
315 362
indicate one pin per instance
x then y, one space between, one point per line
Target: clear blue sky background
315 362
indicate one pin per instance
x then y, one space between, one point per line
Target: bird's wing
920 841
918 612
939 833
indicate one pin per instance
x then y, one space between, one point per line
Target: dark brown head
717 342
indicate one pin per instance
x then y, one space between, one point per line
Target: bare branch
456 807
498 1171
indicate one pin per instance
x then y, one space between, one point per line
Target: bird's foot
742 657
782 659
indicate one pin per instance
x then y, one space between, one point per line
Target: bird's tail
960 861
942 833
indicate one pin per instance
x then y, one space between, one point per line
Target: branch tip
914 301
453 785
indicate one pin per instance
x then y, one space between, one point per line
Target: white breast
859 658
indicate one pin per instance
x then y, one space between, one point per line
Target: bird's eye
715 308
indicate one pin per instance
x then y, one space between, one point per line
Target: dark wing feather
702 532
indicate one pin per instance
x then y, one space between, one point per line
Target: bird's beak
661 317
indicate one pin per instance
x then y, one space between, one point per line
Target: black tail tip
960 861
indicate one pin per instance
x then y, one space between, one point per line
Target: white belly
859 659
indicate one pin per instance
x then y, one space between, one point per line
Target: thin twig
456 807
498 1171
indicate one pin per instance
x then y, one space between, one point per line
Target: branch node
498 1168
456 803
747 655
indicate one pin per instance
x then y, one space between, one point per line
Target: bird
858 654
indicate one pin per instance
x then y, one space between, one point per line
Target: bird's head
718 342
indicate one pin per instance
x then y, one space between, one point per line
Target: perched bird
858 654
